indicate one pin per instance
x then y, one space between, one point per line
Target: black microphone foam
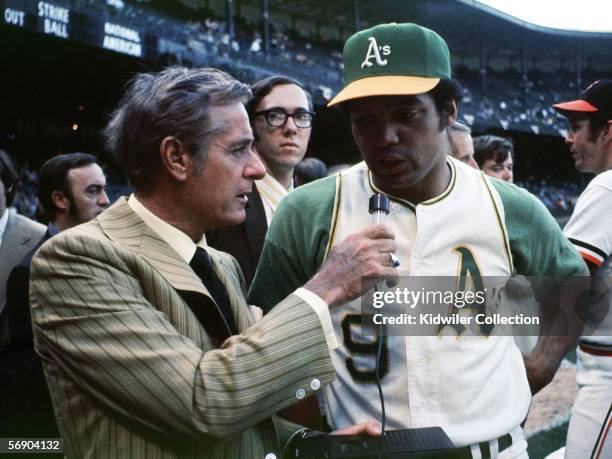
379 203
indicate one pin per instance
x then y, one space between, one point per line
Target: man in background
308 170
18 234
462 148
280 113
70 192
495 156
589 138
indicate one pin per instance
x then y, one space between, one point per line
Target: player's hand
371 428
538 375
361 256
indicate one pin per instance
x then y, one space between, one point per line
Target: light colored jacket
133 373
20 236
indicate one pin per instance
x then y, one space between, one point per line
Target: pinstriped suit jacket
131 371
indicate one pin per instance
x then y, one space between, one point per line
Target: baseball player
448 218
590 140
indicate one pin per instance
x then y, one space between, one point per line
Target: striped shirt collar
271 191
174 237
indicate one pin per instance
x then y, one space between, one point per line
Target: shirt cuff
322 310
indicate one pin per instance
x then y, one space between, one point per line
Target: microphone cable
379 348
379 208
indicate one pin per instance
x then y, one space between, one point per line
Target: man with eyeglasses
281 115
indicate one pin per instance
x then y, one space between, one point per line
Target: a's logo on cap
374 52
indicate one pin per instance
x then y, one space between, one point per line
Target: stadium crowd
493 97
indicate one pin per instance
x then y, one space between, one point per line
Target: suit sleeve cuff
322 310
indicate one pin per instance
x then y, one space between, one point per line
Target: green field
544 443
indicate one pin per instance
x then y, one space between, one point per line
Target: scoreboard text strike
88 27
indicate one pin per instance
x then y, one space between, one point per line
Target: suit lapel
11 251
122 225
256 226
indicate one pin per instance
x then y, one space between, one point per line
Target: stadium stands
506 98
509 76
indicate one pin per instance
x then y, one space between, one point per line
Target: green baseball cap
391 60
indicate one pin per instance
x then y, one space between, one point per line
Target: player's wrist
331 294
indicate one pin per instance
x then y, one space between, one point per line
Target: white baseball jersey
590 226
431 381
590 230
475 388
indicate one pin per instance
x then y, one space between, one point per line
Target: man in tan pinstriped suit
137 353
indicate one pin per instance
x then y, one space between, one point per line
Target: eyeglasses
276 117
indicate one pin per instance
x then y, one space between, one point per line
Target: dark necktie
203 267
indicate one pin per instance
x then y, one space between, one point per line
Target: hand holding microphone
362 258
379 209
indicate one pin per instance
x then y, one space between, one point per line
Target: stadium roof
554 15
462 22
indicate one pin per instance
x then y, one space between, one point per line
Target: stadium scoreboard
69 23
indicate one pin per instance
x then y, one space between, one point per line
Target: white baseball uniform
590 230
475 388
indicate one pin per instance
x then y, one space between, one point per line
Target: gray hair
458 126
176 102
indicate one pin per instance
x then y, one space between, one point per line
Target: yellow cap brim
385 86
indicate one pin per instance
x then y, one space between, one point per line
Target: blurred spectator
461 144
70 192
25 200
18 235
495 156
308 170
559 198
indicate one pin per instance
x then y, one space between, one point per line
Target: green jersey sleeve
537 243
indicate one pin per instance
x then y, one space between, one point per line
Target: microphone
378 208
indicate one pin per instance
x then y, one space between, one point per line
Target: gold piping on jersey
391 197
449 188
502 227
334 219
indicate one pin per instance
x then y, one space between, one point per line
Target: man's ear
175 159
60 201
450 113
